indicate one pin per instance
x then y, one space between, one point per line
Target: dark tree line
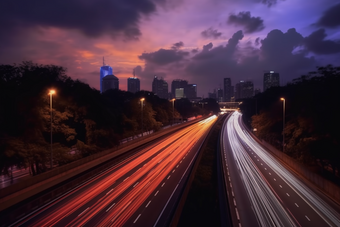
83 119
312 128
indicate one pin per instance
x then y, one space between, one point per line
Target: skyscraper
160 87
228 93
271 79
104 71
178 84
110 82
133 84
244 89
220 95
190 91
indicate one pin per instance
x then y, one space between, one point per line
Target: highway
262 191
139 191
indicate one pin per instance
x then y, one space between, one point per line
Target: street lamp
173 110
141 101
283 126
52 92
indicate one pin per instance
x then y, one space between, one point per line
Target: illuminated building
271 79
104 71
133 84
160 87
110 82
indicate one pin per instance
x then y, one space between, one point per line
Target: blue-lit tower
104 71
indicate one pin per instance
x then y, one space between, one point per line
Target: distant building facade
133 84
219 95
227 88
271 79
179 93
160 87
190 91
244 89
177 84
110 82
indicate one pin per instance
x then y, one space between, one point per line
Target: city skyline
197 41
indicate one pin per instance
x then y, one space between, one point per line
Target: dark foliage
312 119
84 120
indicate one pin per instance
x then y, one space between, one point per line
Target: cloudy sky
202 41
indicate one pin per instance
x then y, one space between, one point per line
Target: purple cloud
244 19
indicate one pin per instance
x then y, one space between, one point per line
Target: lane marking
163 184
177 166
270 174
110 207
173 171
280 186
125 179
136 184
296 205
261 164
287 194
234 202
168 177
83 211
274 179
156 193
109 191
307 218
265 168
148 203
137 218
238 217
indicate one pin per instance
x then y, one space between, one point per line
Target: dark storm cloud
331 17
316 43
93 18
257 41
276 52
269 3
211 33
177 46
278 45
244 19
163 56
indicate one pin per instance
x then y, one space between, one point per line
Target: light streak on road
278 198
113 198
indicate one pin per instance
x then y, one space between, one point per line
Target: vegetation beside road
312 121
83 118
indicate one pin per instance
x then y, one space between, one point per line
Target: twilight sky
202 41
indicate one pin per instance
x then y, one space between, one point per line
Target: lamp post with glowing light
173 110
141 101
52 92
283 126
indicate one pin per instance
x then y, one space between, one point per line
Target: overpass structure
229 106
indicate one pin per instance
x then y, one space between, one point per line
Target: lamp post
141 101
51 93
173 110
283 126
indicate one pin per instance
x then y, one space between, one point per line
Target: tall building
228 93
220 95
271 79
160 87
133 84
110 82
244 89
179 93
104 71
190 91
178 84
